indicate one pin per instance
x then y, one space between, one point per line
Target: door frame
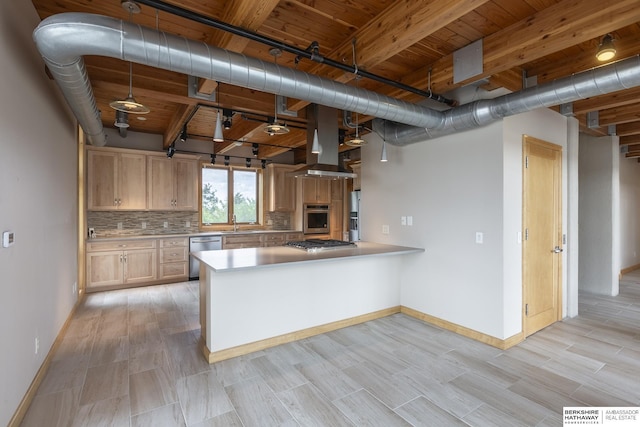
528 140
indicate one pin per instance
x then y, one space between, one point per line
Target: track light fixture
227 114
183 134
606 49
213 159
247 162
226 160
171 150
263 163
254 149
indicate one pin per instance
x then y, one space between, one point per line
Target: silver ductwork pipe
63 39
597 81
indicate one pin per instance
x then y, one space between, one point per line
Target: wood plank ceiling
409 41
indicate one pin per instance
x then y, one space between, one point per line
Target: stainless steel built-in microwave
316 219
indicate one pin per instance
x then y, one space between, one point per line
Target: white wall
455 186
629 208
599 214
37 202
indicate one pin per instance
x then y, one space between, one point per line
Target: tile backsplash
130 223
135 223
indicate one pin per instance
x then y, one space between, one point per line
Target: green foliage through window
217 186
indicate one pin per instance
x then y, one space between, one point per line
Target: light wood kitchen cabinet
172 183
174 258
280 189
116 180
238 241
121 262
316 190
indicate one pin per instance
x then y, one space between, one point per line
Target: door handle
557 250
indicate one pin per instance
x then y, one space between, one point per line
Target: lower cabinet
258 240
174 258
238 241
121 262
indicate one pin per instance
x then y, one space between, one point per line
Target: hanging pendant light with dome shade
129 104
276 128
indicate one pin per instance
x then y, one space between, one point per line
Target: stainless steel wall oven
316 219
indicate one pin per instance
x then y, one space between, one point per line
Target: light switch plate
385 229
8 238
479 237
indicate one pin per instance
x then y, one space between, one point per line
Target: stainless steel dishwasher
202 243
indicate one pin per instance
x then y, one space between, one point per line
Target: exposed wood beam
248 14
553 29
628 129
399 26
631 139
624 114
510 79
612 100
177 122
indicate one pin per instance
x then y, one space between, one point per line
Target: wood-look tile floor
130 358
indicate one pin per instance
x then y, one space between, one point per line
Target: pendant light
357 141
276 128
315 146
217 133
383 158
129 104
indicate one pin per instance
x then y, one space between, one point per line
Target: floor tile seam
155 409
483 404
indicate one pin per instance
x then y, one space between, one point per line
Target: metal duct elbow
605 79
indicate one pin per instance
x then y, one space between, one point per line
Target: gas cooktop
315 245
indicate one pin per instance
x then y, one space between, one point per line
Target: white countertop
249 258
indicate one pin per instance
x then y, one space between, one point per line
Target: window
219 186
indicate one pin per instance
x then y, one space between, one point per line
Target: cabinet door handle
121 258
125 258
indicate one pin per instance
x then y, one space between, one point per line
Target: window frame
230 196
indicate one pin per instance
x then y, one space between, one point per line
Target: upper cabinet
316 190
122 179
280 189
116 181
172 183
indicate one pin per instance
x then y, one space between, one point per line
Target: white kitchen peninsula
255 298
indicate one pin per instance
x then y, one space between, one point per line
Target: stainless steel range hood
325 164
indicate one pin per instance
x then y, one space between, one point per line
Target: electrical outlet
119 226
74 288
166 224
385 229
37 345
403 220
479 237
144 224
187 224
409 221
